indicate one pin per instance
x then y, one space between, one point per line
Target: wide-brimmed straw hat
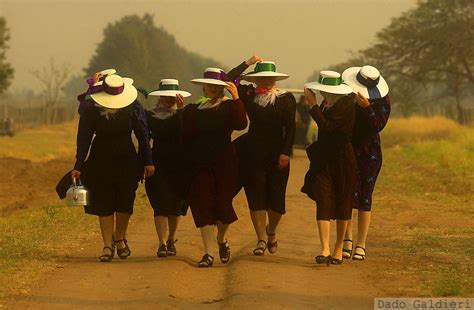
330 82
366 80
114 92
169 88
264 69
213 76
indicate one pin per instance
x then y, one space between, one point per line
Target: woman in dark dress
264 151
113 168
372 112
213 162
166 188
331 179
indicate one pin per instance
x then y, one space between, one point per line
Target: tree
136 48
6 71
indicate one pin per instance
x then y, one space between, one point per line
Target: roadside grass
424 209
31 241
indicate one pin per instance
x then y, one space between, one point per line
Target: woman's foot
123 251
359 253
162 251
347 249
171 248
336 261
224 252
261 248
107 254
272 244
323 259
206 261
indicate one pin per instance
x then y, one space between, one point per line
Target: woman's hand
97 76
253 60
362 101
232 90
283 161
75 174
310 97
179 101
149 171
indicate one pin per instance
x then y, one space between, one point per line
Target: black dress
113 168
271 134
166 189
332 177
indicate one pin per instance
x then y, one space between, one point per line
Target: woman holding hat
166 188
264 151
207 129
113 167
331 180
372 113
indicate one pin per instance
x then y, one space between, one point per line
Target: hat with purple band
169 88
114 92
213 76
367 81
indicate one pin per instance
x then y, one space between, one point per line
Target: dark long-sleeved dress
212 160
332 177
167 188
113 167
369 122
271 133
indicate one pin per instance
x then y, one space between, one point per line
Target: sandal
162 251
206 261
125 252
272 246
260 250
321 259
358 256
170 247
224 252
336 261
105 258
347 253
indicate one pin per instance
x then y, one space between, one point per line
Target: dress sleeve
244 90
289 124
377 117
85 132
334 121
142 133
238 115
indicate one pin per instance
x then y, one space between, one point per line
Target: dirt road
287 280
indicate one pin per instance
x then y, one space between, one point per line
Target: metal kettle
77 194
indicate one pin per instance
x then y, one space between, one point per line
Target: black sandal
206 261
272 246
358 256
162 251
321 259
106 258
336 261
347 253
224 252
125 252
171 248
260 250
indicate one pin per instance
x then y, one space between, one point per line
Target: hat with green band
169 88
330 82
264 69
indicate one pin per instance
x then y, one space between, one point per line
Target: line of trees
426 55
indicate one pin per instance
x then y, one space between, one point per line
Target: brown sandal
272 246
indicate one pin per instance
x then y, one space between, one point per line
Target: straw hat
366 80
264 69
169 88
114 92
330 82
213 76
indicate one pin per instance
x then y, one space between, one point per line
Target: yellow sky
300 35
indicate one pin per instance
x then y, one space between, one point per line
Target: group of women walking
194 163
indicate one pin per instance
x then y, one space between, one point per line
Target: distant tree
136 48
53 78
6 71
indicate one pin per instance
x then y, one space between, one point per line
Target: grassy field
422 231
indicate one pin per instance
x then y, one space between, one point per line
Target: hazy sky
299 35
